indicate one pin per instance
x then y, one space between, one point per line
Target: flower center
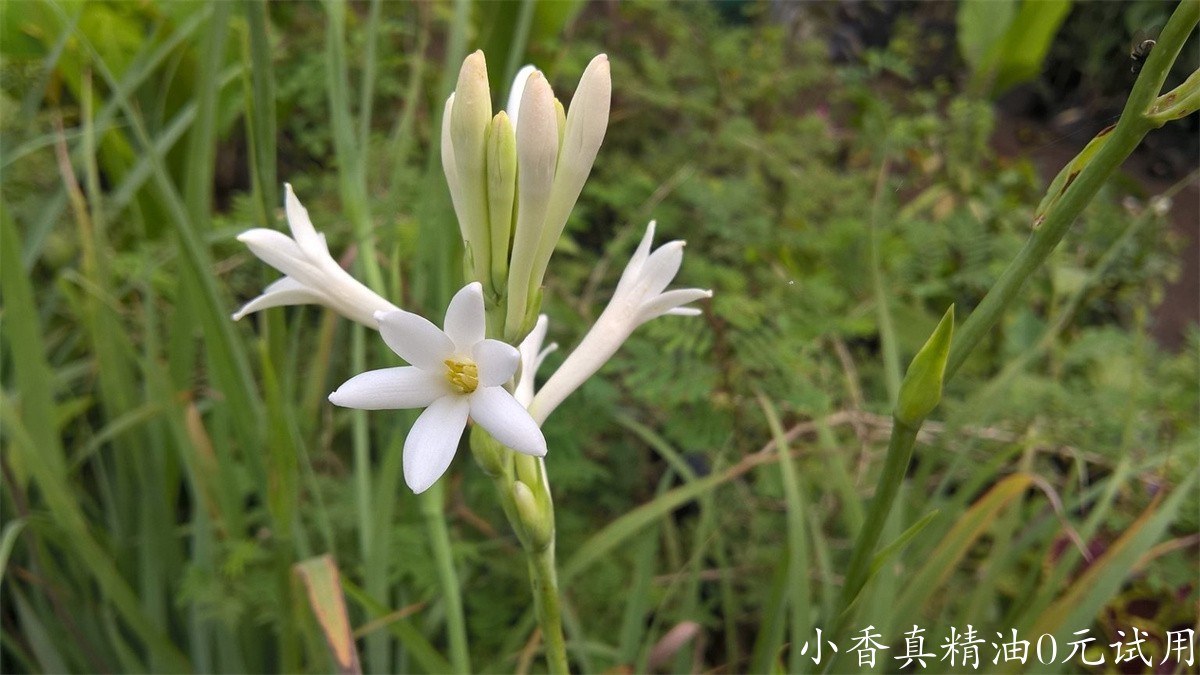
463 375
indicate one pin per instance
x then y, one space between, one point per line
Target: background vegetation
834 170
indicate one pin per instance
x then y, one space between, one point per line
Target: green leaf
981 24
322 581
1104 578
1064 179
1027 41
966 530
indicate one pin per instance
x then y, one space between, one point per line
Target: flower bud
538 524
921 390
583 132
537 156
489 454
470 117
502 178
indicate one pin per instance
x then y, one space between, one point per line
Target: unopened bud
502 180
538 525
537 156
470 117
583 132
490 454
921 390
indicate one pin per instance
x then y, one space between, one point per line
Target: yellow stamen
463 375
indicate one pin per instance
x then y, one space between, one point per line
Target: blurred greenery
829 164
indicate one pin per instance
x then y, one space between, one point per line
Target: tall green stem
1134 124
524 494
543 576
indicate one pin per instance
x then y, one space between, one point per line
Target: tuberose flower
639 297
454 374
312 275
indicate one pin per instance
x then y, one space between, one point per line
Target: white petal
532 343
672 302
498 412
464 317
531 357
285 291
415 339
660 268
433 440
550 349
302 228
450 167
537 156
277 250
497 361
350 298
391 388
634 269
514 94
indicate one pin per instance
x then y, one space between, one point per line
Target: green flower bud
921 390
490 454
538 524
502 180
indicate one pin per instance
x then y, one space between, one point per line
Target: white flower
313 276
454 373
639 298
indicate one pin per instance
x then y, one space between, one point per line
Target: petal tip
417 486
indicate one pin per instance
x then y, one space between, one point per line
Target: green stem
1131 128
544 579
537 540
899 452
1133 125
434 514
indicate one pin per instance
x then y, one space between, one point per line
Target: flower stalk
544 576
1137 119
514 178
